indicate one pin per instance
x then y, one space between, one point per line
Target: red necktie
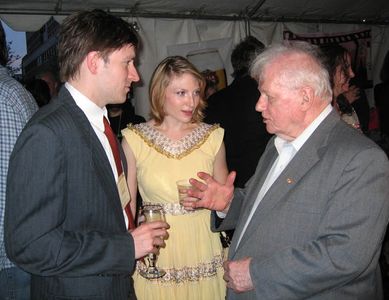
115 151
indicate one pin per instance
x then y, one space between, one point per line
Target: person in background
338 63
357 97
39 90
51 78
175 145
16 108
65 220
381 99
310 222
122 114
233 108
211 82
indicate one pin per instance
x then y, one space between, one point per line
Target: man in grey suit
64 218
310 222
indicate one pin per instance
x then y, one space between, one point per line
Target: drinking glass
183 186
152 213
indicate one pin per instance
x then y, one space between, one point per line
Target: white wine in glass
153 212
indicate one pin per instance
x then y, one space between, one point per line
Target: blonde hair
161 78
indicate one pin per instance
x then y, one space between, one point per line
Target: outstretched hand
211 194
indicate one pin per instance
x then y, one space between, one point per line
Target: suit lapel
253 188
302 162
100 161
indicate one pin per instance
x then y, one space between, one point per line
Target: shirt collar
298 142
93 112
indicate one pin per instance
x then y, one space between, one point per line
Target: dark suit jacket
64 222
317 232
245 135
381 98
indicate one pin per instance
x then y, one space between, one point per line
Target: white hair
311 72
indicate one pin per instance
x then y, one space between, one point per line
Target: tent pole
247 26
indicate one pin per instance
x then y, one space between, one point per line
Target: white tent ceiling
30 15
166 23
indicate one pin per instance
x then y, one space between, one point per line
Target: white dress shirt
286 151
95 115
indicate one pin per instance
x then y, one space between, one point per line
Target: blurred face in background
51 82
342 76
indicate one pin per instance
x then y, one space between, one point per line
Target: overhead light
135 26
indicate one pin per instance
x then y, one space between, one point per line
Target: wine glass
152 212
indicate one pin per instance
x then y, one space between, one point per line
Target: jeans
14 284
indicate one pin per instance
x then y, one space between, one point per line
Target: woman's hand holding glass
183 186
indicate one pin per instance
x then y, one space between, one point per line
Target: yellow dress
193 255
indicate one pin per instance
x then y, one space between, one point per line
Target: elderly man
310 222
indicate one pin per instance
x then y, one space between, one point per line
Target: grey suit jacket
317 232
64 222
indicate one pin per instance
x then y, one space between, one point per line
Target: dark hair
39 89
243 55
384 74
3 47
334 55
165 71
88 31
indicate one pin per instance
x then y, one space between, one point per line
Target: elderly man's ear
307 97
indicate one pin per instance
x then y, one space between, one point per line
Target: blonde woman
175 145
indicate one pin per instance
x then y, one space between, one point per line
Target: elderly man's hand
237 275
210 193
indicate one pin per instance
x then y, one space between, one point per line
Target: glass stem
152 259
